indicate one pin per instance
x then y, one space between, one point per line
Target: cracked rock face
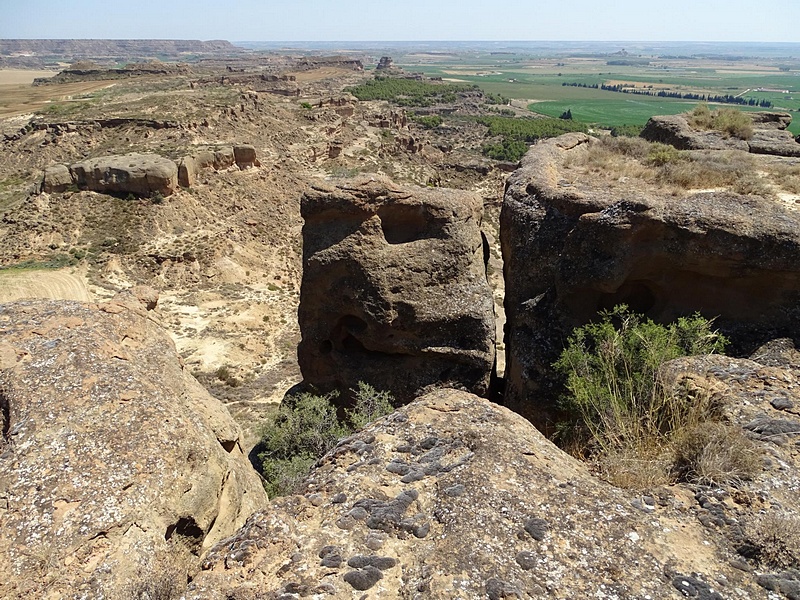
394 289
111 454
496 511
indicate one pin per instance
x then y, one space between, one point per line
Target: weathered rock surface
113 456
245 156
57 179
394 289
769 135
138 174
455 497
570 250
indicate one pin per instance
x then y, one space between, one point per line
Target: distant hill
43 51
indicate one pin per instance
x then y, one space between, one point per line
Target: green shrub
305 428
626 130
662 154
306 105
427 121
734 123
615 399
370 405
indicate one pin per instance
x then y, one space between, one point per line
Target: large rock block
57 179
769 135
453 497
115 462
138 174
394 289
571 249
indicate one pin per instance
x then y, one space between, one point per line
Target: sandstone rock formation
113 457
57 179
189 167
394 289
455 497
138 174
571 249
769 135
384 63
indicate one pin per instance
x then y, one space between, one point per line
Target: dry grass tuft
778 538
635 468
678 171
731 122
713 453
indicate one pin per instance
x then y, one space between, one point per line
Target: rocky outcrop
769 135
385 63
137 174
144 175
394 289
571 249
243 156
455 497
115 464
57 179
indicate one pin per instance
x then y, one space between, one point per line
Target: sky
396 20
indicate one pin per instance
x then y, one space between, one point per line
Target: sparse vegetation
306 427
655 163
621 414
730 121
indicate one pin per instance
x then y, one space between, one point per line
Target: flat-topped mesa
574 244
394 289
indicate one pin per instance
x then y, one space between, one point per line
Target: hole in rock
403 224
228 445
351 344
353 324
636 294
185 527
326 347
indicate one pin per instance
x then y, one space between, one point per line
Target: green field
541 86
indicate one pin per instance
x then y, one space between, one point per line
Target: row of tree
722 99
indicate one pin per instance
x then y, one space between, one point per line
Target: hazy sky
382 20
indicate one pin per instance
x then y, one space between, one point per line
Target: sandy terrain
21 76
53 285
20 98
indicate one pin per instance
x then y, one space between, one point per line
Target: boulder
674 130
571 249
138 174
223 158
455 497
57 179
245 156
394 289
115 464
187 171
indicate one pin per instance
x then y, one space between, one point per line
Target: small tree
566 115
